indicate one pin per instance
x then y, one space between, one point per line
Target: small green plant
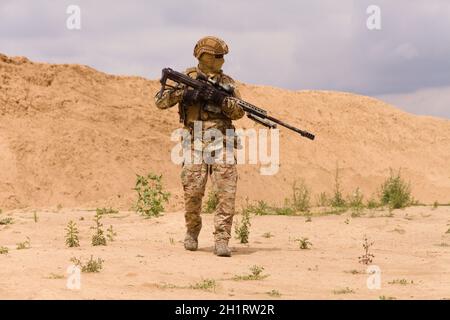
300 196
151 196
304 243
72 235
111 234
395 192
261 208
106 211
274 293
24 245
92 266
211 202
337 201
372 203
346 290
367 257
242 228
347 221
4 250
402 282
435 205
267 235
355 202
35 217
6 221
256 274
206 284
98 239
172 241
286 210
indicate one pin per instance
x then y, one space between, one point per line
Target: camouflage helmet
210 44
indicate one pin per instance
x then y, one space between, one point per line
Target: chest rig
205 111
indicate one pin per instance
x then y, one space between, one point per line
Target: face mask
210 63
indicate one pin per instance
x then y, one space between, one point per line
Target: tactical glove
213 97
194 96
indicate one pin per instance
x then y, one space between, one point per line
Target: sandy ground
148 261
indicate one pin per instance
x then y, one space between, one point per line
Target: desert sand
147 260
74 138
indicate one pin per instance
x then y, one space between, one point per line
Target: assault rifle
256 114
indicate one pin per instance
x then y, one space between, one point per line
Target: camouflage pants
224 178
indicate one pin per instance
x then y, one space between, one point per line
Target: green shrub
337 201
98 239
72 235
372 203
111 234
395 192
355 202
304 243
211 202
206 284
92 266
151 196
242 228
256 274
284 211
367 257
261 208
300 196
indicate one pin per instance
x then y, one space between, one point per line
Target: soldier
210 53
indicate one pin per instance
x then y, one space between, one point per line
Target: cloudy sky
308 44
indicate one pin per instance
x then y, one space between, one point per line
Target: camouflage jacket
221 121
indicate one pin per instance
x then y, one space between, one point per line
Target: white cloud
321 44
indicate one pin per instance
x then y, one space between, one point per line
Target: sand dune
73 136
